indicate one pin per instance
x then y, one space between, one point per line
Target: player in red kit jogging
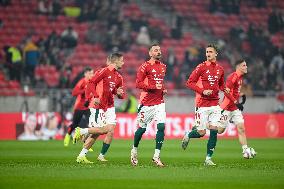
212 79
150 78
79 108
100 92
231 109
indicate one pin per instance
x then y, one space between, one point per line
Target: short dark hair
238 62
114 56
155 44
214 47
87 69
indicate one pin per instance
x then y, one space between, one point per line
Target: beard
158 57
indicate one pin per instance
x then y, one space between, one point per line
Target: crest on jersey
153 70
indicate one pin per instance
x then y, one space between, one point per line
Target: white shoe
134 157
158 161
101 158
253 152
209 162
249 153
185 141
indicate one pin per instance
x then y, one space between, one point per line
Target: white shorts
208 116
235 116
100 118
146 114
196 117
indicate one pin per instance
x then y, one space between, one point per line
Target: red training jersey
148 76
104 85
234 83
79 92
212 78
197 95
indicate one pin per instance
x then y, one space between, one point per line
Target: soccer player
150 78
231 109
79 108
101 90
211 75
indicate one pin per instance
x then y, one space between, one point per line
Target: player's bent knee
202 132
108 128
221 130
161 126
111 133
141 130
213 127
241 128
94 136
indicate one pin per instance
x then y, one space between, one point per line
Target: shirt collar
111 67
211 63
156 62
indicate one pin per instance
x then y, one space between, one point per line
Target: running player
150 78
231 110
79 109
212 78
101 90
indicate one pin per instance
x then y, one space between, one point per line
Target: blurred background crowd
46 43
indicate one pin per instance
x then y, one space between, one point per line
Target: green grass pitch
47 164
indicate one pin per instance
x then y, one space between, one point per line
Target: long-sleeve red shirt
212 78
104 85
148 76
234 83
79 92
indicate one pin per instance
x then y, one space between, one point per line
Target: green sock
160 135
194 128
211 144
194 134
138 135
105 148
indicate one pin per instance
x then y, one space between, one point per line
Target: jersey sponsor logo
212 79
111 85
158 78
239 88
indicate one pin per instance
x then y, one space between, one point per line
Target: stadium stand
105 26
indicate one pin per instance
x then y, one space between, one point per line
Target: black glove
86 104
244 98
240 106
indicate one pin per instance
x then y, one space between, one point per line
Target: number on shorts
142 116
197 116
224 117
102 115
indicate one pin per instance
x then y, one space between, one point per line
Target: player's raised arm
230 85
226 89
119 90
140 79
193 79
78 89
222 82
91 86
90 91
